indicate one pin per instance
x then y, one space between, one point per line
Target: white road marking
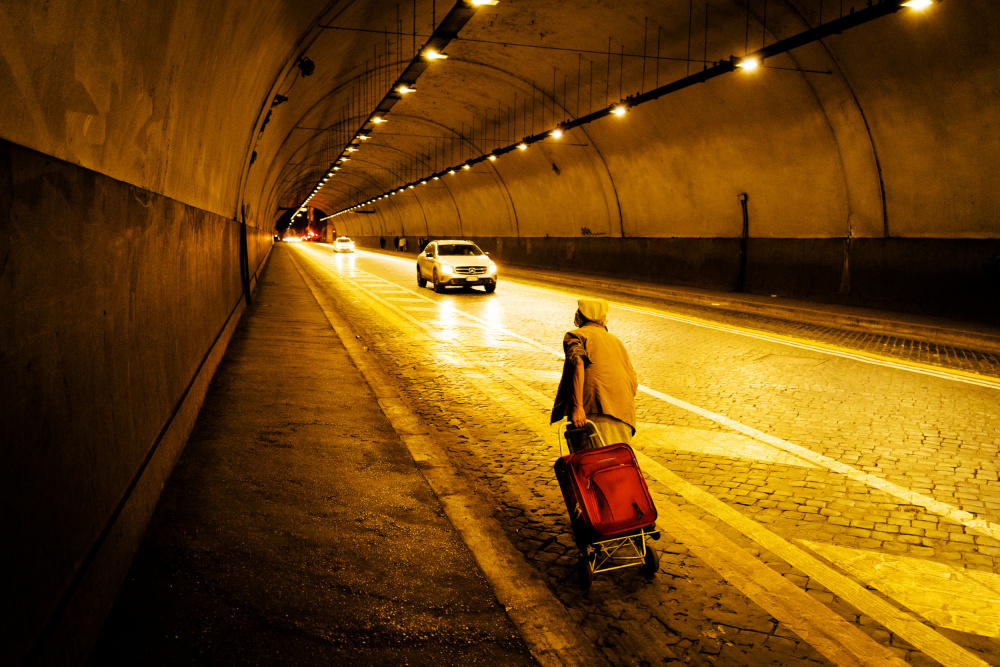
661 438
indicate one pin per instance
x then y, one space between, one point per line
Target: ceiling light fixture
749 64
619 109
431 54
556 133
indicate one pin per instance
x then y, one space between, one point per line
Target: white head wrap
593 310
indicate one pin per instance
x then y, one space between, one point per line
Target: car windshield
343 239
467 249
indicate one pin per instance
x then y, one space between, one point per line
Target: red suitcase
605 493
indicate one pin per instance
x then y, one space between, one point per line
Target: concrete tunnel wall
133 136
123 139
117 304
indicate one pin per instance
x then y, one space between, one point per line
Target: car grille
470 270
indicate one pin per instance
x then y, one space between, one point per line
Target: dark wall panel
111 298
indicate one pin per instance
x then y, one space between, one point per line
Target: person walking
598 382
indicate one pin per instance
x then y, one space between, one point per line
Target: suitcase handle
593 432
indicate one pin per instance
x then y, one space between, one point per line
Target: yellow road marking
952 597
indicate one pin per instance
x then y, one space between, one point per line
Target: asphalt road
819 505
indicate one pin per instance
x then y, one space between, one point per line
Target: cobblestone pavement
870 487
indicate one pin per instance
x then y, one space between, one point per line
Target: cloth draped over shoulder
609 382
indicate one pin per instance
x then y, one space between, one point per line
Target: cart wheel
651 563
584 573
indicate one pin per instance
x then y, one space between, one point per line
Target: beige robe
609 382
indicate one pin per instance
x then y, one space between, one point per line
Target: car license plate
472 279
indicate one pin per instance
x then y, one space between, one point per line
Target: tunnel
153 155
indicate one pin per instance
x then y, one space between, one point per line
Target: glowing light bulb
492 157
465 166
434 55
556 133
749 64
918 4
523 146
378 120
619 109
406 89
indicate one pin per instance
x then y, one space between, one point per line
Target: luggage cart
604 548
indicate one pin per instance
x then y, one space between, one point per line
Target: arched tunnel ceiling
886 129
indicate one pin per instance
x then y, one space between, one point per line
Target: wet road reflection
835 462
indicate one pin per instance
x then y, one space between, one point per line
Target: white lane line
967 519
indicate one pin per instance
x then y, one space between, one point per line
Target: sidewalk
296 528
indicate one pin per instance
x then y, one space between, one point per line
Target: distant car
343 244
456 263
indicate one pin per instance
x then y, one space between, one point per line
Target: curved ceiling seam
426 224
442 33
524 85
254 136
423 158
458 212
512 213
842 75
340 88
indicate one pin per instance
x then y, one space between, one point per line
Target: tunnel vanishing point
837 152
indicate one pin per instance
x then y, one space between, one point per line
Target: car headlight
491 269
447 268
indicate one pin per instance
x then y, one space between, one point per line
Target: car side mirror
487 254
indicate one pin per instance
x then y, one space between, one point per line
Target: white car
343 244
457 263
